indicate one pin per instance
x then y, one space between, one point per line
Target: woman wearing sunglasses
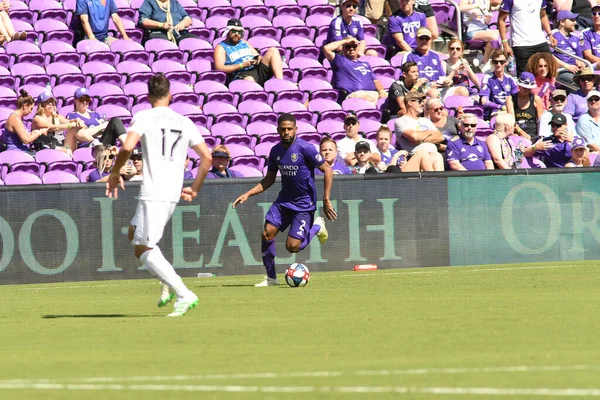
459 71
587 81
104 157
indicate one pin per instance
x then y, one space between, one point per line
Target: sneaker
485 68
166 296
322 235
268 282
184 305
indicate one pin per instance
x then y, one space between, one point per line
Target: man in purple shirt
577 105
591 38
569 43
465 152
555 150
497 87
345 25
296 160
429 63
403 26
352 75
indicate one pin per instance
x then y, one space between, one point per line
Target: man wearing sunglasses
345 25
237 58
558 101
588 125
587 81
591 39
555 150
350 73
466 152
569 43
496 88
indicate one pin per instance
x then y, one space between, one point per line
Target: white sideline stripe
315 374
312 389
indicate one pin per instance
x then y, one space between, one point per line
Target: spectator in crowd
477 17
496 88
345 25
448 125
527 36
362 153
466 152
588 125
187 174
558 101
386 150
93 20
591 39
220 164
583 9
415 133
403 26
7 30
104 157
351 74
498 145
56 125
577 101
555 150
240 60
569 43
459 71
408 81
543 66
165 19
525 106
138 164
90 125
328 150
424 6
579 155
346 146
16 135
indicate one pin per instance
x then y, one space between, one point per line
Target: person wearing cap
90 126
587 81
94 16
346 146
362 152
403 26
498 86
328 150
555 150
240 60
591 38
525 106
138 164
415 133
345 25
527 35
351 74
543 67
503 154
165 19
588 125
579 155
558 101
16 135
47 117
220 164
466 152
583 9
568 43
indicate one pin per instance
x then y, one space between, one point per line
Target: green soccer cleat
184 305
322 235
166 296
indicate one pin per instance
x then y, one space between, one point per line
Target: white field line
426 270
489 391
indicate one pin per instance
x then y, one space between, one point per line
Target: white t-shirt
408 123
347 145
166 137
525 23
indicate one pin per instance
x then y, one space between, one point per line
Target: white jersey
166 137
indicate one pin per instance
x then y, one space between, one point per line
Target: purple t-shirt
498 90
576 104
385 158
569 44
296 165
430 65
93 120
352 75
339 167
95 175
215 173
188 175
591 41
338 30
407 25
471 156
558 155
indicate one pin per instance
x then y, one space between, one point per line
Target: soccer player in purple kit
296 160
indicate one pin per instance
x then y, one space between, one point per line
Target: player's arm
114 178
327 183
189 193
263 185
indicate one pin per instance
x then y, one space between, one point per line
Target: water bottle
104 118
518 157
512 66
48 87
37 42
206 275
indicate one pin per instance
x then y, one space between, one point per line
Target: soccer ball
297 275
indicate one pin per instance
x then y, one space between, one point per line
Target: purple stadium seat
224 129
293 41
249 160
307 68
239 151
330 126
113 111
248 90
217 21
57 51
183 93
63 72
164 50
288 106
257 9
217 108
172 70
101 72
130 51
262 42
278 3
253 106
84 175
25 52
247 171
30 74
454 102
214 91
264 148
310 137
253 21
356 105
17 160
28 28
48 9
110 94
59 177
285 90
194 47
50 29
286 21
83 155
96 51
318 89
52 160
19 11
64 90
198 67
532 162
134 71
293 10
139 107
21 178
375 61
320 105
185 109
326 10
318 21
260 129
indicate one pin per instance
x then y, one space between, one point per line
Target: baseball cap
527 80
565 14
423 31
558 119
220 154
342 2
592 93
362 145
45 96
596 6
350 116
79 93
578 143
559 92
234 23
136 153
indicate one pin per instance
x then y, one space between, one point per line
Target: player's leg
274 222
303 229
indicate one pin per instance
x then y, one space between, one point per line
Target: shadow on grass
239 285
53 316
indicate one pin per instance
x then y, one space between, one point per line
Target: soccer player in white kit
166 137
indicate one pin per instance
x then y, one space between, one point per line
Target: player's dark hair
24 99
158 86
286 117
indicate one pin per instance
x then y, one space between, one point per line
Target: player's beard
287 139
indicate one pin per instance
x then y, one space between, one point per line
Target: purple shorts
300 222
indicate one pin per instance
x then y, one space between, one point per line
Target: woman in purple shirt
16 135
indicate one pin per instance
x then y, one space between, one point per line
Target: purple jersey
387 158
497 90
591 41
352 75
96 175
470 156
558 155
569 44
338 30
406 25
339 167
430 65
93 120
296 165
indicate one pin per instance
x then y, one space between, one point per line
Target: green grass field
515 331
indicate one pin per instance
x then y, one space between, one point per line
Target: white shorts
150 220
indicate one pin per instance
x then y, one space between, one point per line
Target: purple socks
268 251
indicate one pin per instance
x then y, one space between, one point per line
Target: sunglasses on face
596 13
84 99
439 109
559 99
237 31
499 61
425 38
586 78
594 99
351 6
136 158
109 156
455 48
350 123
470 125
350 46
420 101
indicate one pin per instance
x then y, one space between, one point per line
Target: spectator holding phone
555 150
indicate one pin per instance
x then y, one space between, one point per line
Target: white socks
158 265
